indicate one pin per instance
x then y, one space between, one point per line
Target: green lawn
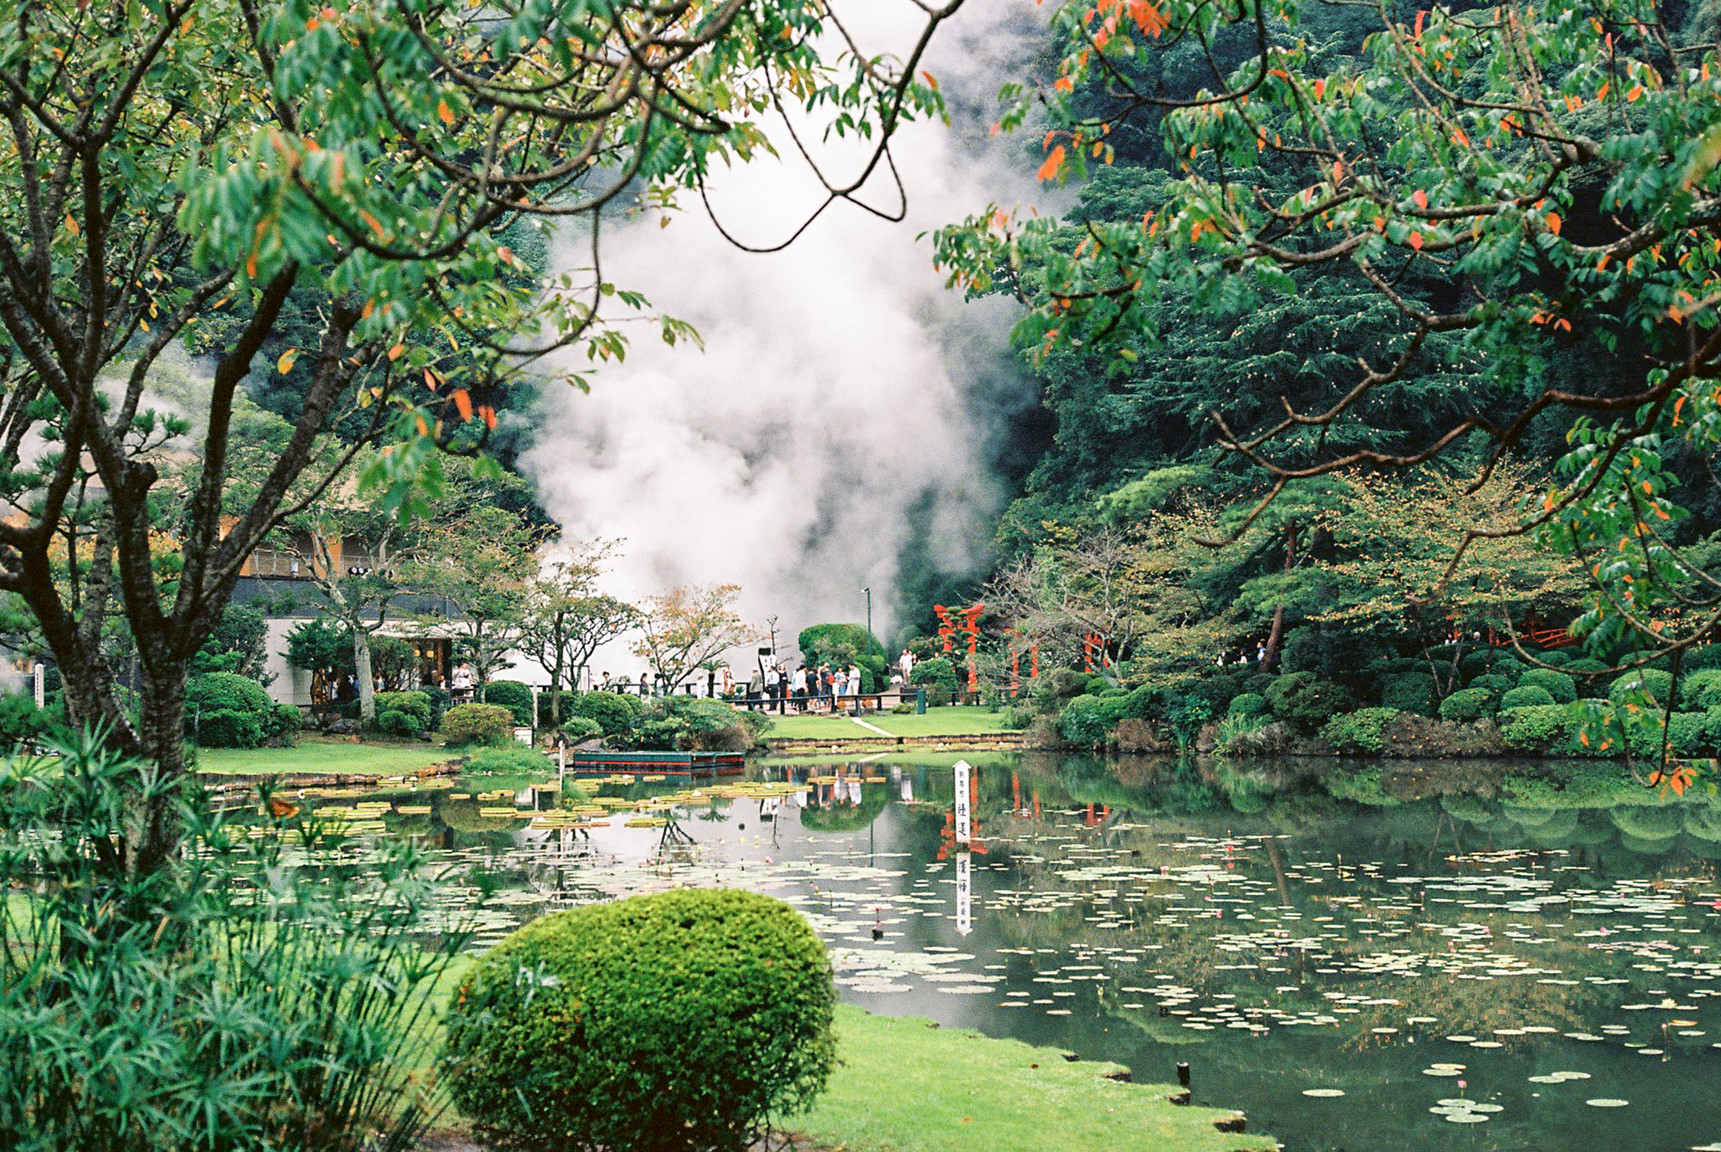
962 720
316 755
972 1093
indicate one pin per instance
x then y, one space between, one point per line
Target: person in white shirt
905 664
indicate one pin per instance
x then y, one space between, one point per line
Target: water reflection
1413 954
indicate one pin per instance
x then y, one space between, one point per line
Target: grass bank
906 1085
960 720
319 755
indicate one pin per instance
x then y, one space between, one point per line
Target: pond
1426 956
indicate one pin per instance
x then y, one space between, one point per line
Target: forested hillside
1408 309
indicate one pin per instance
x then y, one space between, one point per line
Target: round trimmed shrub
1700 690
1247 704
1362 731
1494 683
1527 696
1585 666
512 695
938 675
395 723
477 724
1558 657
415 704
615 712
1560 686
682 1020
1408 692
1304 699
1467 704
578 728
227 710
1537 728
1086 721
1653 680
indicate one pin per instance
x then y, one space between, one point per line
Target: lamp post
868 591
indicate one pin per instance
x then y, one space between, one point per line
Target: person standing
461 682
854 680
798 684
905 664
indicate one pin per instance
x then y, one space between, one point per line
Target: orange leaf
285 364
1054 162
444 113
1420 197
1416 32
1460 139
394 353
462 403
1064 84
1416 241
1320 88
1601 94
488 415
1554 223
931 80
1634 94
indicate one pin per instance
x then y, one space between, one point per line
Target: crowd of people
822 688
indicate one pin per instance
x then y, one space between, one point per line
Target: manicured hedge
682 1020
1560 686
615 712
1527 695
477 724
227 710
512 695
1359 731
1303 699
1467 704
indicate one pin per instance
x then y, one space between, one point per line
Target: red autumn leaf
1420 197
1416 241
1054 162
1554 223
462 403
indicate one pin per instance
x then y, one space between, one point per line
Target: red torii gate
967 621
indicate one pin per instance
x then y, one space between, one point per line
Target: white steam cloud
841 389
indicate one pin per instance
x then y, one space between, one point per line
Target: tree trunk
1271 660
362 674
154 837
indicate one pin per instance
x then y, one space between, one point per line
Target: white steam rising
841 388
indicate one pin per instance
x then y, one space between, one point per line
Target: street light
868 591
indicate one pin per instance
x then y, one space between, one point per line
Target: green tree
478 563
685 627
178 167
1536 191
565 618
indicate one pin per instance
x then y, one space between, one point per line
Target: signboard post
964 802
964 858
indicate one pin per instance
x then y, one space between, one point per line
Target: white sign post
964 892
964 806
39 675
964 858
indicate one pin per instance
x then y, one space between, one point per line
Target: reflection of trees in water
833 808
1466 984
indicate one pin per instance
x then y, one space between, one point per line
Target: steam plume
841 386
